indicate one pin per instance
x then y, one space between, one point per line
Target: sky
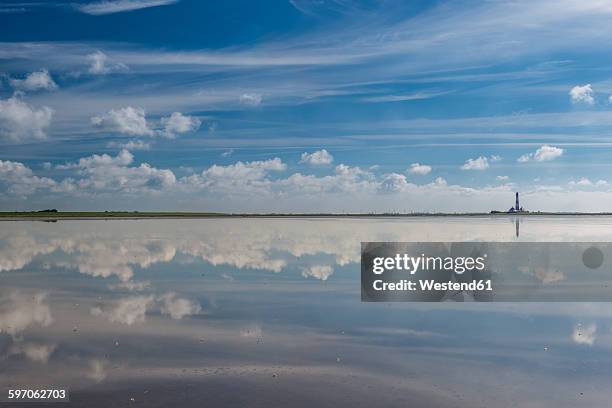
305 106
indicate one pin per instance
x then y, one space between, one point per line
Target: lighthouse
517 207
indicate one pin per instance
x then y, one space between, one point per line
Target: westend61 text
430 284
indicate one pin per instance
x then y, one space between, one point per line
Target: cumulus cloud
318 158
321 272
127 311
544 153
19 311
177 308
178 123
250 99
129 120
239 177
20 121
346 179
99 64
109 258
393 182
480 163
96 173
420 169
35 81
133 121
36 352
104 7
20 180
108 173
582 94
584 334
584 182
123 158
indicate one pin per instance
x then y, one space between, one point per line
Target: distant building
517 206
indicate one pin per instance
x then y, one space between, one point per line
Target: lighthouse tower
517 207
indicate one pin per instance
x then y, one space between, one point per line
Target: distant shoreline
129 215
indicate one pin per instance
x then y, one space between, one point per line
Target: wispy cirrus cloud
119 6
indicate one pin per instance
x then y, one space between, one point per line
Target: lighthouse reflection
517 223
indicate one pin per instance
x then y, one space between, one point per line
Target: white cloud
131 145
35 81
250 99
20 179
503 178
178 123
420 169
99 64
393 182
133 121
177 307
236 178
495 158
584 334
19 311
123 158
127 311
36 352
544 153
97 370
582 94
119 6
547 153
129 120
321 272
400 98
318 158
107 173
20 121
584 182
227 153
525 158
481 163
440 181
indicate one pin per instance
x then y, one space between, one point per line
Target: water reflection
185 310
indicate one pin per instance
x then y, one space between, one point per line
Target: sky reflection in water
267 312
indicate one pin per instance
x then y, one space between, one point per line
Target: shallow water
267 312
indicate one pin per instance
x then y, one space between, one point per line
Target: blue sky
305 105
